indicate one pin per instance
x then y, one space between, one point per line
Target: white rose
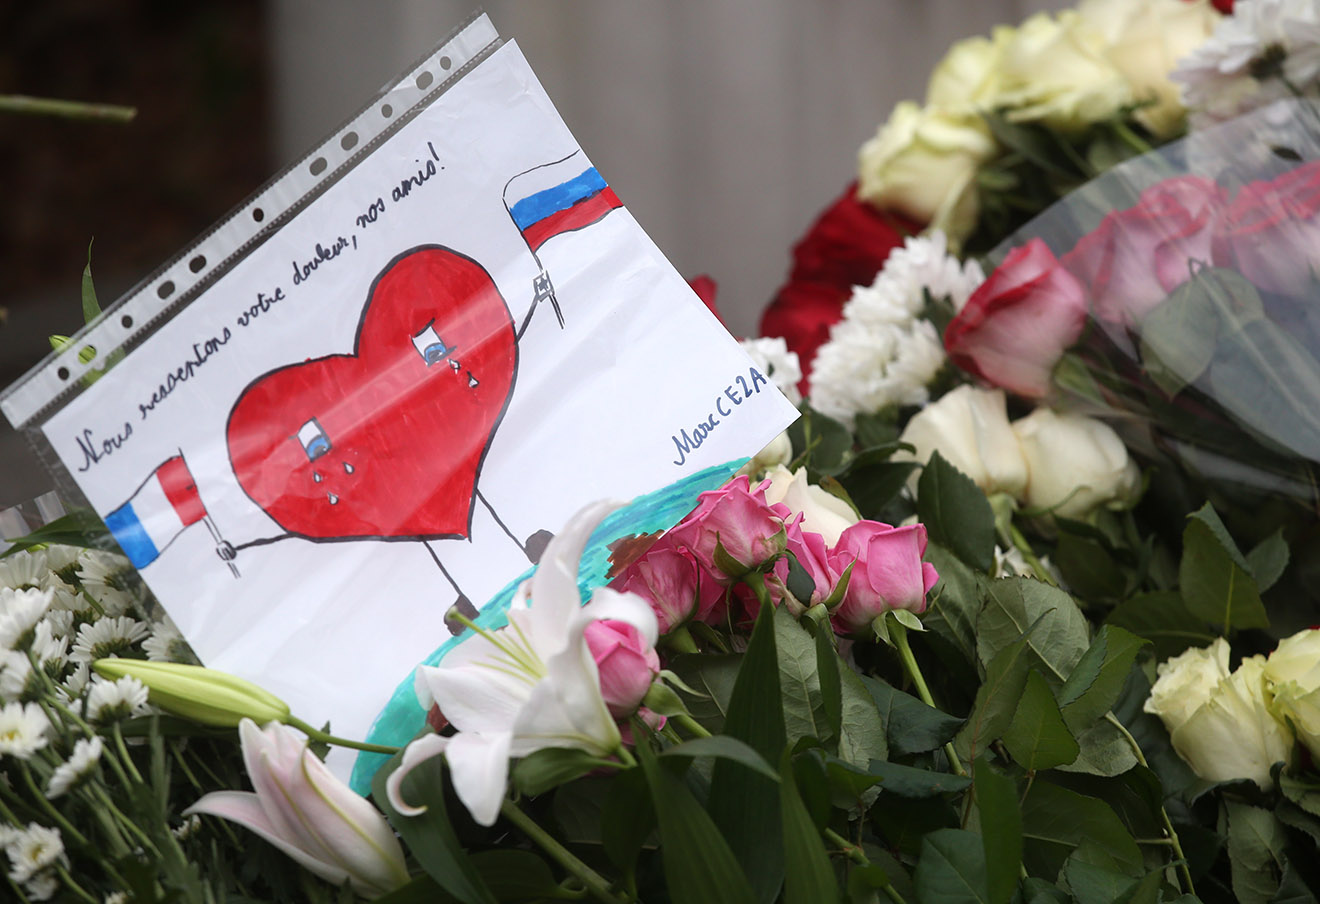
1292 685
1186 682
969 427
822 513
1074 463
1054 70
1144 39
923 163
778 452
1232 734
968 77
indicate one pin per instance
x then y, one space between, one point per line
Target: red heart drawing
388 441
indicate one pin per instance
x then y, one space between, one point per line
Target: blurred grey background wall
724 125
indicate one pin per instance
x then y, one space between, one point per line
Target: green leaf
1179 336
551 767
1058 642
956 513
419 890
1088 568
951 869
862 737
723 747
997 698
78 528
914 783
957 599
799 678
872 485
1268 560
1001 831
1098 678
699 866
831 684
743 803
712 676
627 819
1104 752
1215 579
514 875
911 725
1162 619
429 835
1055 821
1037 738
876 430
1256 842
823 441
799 582
1293 888
1095 884
90 308
808 876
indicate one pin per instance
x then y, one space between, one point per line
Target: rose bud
1292 685
1271 232
733 531
672 582
1016 326
1074 463
969 427
822 513
626 662
887 573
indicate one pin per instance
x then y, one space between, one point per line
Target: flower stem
123 753
680 640
317 735
857 855
72 884
1027 553
67 109
898 634
45 806
690 724
592 880
1183 870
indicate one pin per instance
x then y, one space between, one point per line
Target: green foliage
956 513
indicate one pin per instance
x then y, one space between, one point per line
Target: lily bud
198 693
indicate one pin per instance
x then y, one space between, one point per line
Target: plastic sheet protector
376 387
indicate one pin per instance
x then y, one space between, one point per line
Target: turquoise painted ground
403 716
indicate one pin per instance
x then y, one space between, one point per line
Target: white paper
258 419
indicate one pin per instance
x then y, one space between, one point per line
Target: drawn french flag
153 516
558 197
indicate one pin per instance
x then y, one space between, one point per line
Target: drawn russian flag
153 516
558 197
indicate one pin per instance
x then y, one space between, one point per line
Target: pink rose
740 521
887 573
626 662
1018 323
669 578
1271 232
1136 257
812 554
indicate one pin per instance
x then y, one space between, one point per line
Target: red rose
1017 325
1136 257
845 247
1271 232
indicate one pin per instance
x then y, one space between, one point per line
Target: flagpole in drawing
158 511
548 200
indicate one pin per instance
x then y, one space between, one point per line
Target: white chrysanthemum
47 646
33 850
883 352
166 644
77 680
107 637
1257 55
774 360
17 680
186 829
63 559
64 597
77 767
20 610
42 887
24 570
23 728
108 579
60 622
123 698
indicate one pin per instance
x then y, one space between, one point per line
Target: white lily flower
529 685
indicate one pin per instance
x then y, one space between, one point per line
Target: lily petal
479 765
416 752
555 594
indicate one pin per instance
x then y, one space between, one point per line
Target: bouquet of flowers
1019 610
